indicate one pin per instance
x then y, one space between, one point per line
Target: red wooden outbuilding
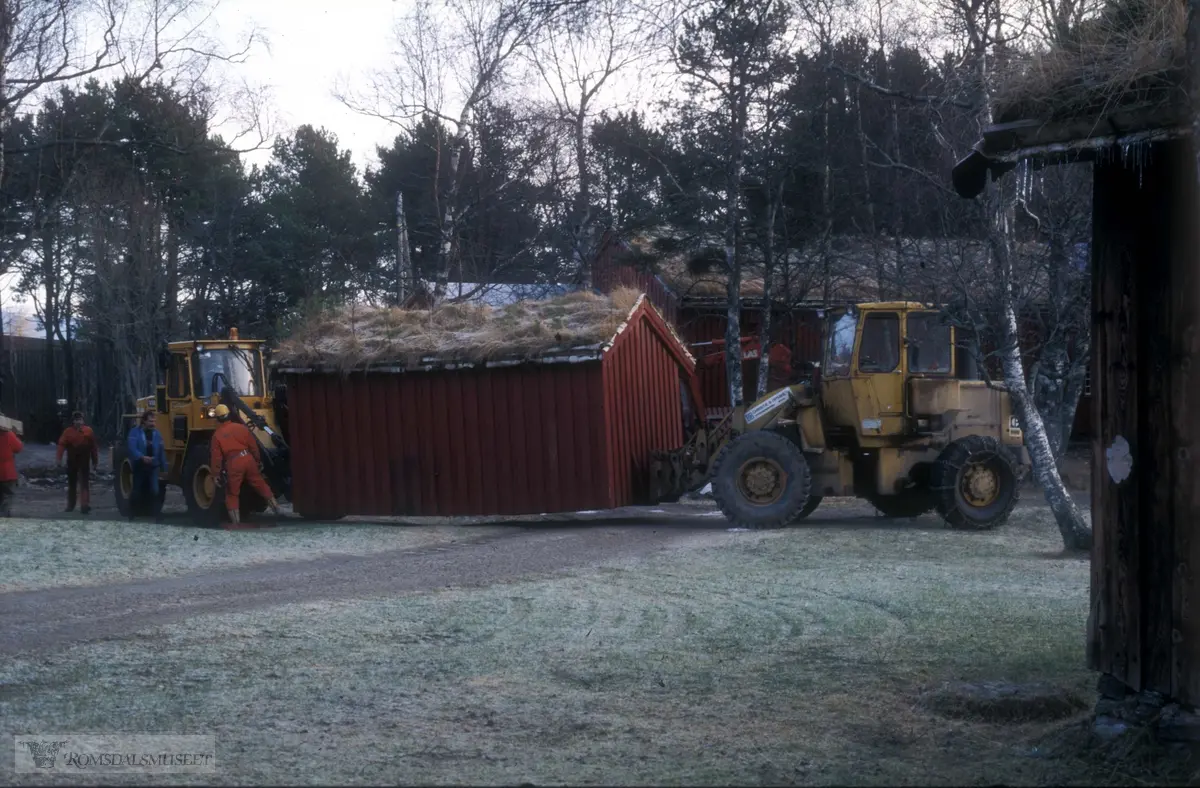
562 431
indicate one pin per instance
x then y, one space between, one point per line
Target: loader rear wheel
762 480
909 503
204 501
975 483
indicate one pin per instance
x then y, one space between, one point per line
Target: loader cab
872 352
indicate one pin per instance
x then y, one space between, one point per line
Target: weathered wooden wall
27 391
1144 628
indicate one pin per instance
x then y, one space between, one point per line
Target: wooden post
1144 627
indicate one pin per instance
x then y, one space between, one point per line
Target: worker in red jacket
78 443
10 446
235 453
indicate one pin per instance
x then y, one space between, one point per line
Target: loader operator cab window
840 349
929 348
880 350
241 369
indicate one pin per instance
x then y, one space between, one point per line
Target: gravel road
36 621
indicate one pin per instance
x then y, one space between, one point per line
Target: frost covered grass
54 553
795 656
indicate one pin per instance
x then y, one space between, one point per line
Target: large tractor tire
123 488
123 480
975 483
909 503
809 507
205 501
762 480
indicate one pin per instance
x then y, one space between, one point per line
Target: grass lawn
790 657
55 553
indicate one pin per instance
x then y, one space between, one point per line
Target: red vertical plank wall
807 336
513 440
642 406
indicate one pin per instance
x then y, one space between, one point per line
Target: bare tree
577 56
476 40
988 27
729 56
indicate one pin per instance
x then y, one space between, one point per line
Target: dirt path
42 620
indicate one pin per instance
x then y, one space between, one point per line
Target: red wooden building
699 314
695 302
565 430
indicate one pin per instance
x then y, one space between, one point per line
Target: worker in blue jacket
148 456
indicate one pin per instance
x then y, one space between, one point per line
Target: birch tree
576 57
988 26
728 55
475 41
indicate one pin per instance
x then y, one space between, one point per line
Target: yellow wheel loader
198 376
894 418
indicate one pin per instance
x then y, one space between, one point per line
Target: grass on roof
356 336
1130 55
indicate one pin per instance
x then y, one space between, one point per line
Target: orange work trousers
244 469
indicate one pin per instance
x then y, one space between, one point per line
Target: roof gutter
1045 143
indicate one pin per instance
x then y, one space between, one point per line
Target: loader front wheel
205 502
975 483
762 480
123 480
123 488
811 506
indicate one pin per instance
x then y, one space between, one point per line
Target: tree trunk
172 279
50 279
404 272
7 22
450 217
764 341
826 195
868 198
1076 533
1192 72
581 240
733 245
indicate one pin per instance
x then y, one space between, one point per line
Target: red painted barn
694 302
690 290
566 427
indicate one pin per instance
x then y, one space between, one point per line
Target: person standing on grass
10 446
148 456
236 452
78 443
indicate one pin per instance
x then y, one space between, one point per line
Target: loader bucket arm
230 397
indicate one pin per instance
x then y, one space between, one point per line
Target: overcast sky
311 44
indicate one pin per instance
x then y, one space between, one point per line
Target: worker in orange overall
10 446
79 444
235 454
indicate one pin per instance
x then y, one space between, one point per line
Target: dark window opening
929 346
880 351
177 377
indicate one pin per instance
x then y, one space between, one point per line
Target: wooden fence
28 393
